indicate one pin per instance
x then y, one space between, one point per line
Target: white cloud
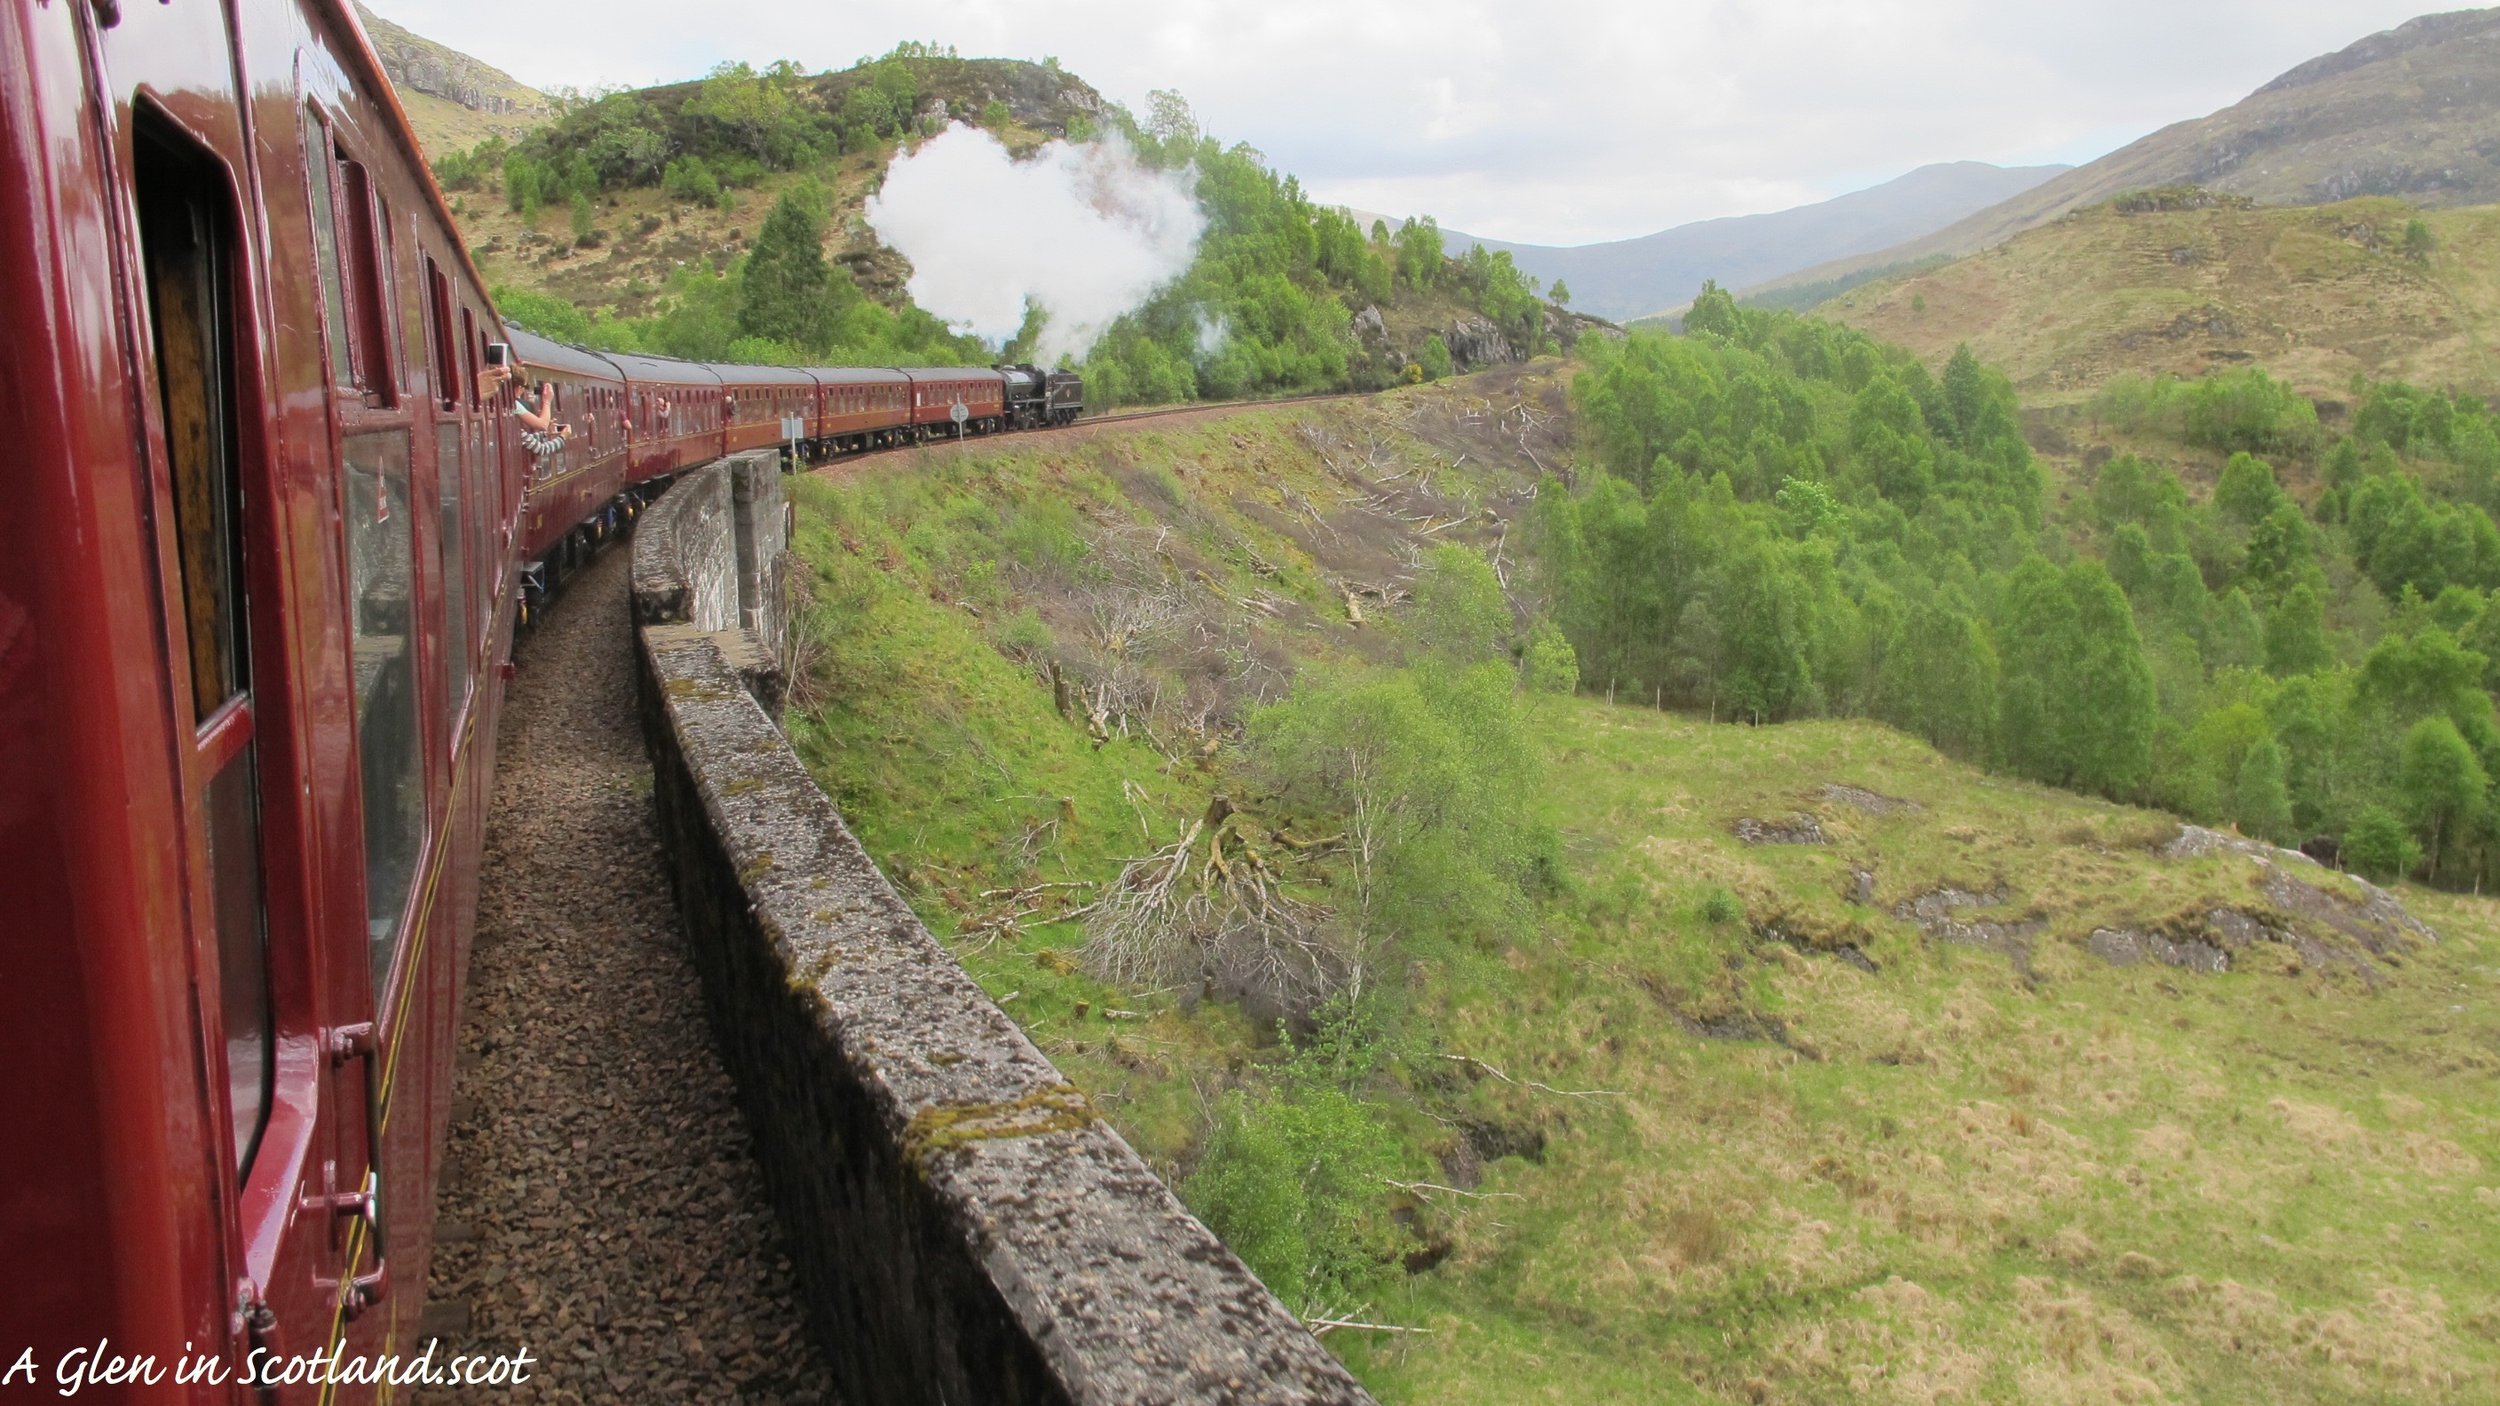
1560 121
1085 232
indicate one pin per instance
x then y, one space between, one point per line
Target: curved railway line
600 1201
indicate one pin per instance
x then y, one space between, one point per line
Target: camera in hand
499 353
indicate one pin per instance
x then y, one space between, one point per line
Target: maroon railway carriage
570 485
255 579
674 412
864 407
935 392
762 402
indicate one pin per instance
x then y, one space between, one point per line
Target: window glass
482 501
242 944
325 232
453 533
368 276
184 219
446 355
469 344
381 591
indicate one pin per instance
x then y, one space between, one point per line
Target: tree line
1790 519
725 131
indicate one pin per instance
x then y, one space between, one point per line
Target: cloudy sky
1542 121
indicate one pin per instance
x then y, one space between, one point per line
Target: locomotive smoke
1085 232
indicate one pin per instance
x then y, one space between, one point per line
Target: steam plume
1086 232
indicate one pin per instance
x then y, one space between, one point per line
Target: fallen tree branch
1320 1327
1533 1084
1426 1188
1031 889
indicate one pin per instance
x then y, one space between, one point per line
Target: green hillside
632 221
2194 284
1629 1055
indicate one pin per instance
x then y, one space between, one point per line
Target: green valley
1600 1052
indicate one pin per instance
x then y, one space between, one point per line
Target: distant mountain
1630 278
453 100
2315 294
2412 112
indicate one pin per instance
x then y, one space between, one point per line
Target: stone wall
965 1225
686 556
760 515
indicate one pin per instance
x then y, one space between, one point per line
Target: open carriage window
351 257
186 234
365 223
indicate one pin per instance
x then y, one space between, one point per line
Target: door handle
362 1042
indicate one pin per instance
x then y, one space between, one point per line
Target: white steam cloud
1086 232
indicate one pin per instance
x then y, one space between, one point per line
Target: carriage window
318 176
381 620
446 357
457 646
480 494
468 339
184 229
369 276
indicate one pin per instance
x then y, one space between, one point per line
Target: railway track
1197 407
1121 417
600 1204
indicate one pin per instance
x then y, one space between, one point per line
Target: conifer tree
1965 394
788 294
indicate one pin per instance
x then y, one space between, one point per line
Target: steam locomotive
270 531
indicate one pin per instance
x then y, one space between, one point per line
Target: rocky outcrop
1798 829
419 65
1475 343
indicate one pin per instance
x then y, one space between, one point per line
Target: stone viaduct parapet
966 1227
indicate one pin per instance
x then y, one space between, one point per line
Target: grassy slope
1930 1181
1943 1182
1170 557
2064 307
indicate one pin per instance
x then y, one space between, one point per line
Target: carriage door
271 1187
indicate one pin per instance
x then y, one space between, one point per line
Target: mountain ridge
2412 111
452 99
1645 274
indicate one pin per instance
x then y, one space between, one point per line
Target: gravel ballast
599 1204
